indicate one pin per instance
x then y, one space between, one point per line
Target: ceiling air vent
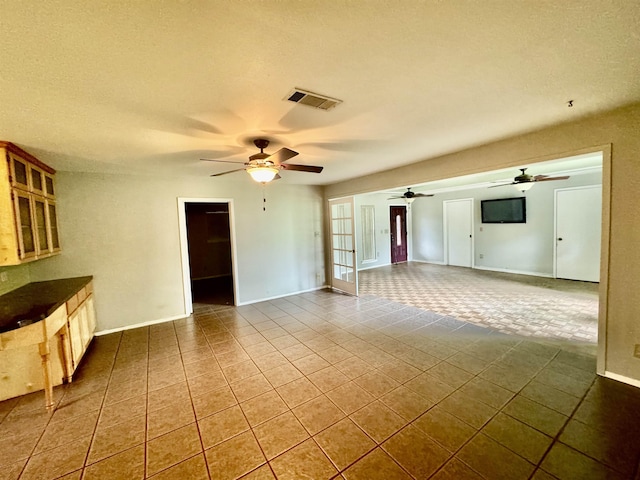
312 99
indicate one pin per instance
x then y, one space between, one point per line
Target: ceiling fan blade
223 161
225 173
423 195
539 177
503 184
302 168
282 155
393 198
551 178
277 177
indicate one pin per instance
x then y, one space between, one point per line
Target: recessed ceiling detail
311 99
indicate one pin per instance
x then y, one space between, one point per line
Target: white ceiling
153 86
571 166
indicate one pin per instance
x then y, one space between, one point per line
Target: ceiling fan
263 167
410 196
524 181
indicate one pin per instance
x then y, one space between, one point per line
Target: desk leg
45 354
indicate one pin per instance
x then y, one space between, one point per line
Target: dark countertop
36 301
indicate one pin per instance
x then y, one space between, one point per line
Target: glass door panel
19 178
49 190
53 226
41 225
25 228
36 181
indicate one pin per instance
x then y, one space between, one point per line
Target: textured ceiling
151 87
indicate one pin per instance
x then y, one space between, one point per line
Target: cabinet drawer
72 304
82 294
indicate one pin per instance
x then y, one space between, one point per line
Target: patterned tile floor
521 304
325 386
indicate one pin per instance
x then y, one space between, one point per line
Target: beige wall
124 230
15 277
620 278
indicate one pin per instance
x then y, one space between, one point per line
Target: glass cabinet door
26 237
41 224
37 184
19 173
53 226
49 190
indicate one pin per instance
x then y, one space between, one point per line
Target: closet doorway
208 266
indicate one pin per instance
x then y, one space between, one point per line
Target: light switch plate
636 352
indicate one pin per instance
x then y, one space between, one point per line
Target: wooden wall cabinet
28 215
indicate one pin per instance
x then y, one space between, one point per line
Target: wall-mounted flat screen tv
504 210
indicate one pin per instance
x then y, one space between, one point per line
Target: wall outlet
481 255
636 351
4 276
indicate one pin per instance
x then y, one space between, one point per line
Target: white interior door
578 232
344 276
458 219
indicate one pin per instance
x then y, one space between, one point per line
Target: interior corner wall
617 131
123 230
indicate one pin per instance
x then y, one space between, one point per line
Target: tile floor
323 386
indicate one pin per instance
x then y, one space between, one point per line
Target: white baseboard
138 325
314 289
374 266
621 378
432 262
179 317
517 272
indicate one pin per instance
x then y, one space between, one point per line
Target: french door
344 276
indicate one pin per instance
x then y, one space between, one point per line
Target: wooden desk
40 334
44 327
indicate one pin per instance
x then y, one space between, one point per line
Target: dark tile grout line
193 408
498 410
556 438
102 405
243 415
146 404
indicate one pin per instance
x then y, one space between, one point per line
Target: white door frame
446 228
184 248
555 223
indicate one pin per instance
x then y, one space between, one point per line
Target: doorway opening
208 232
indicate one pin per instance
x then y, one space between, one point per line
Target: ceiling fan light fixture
262 174
409 200
524 186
